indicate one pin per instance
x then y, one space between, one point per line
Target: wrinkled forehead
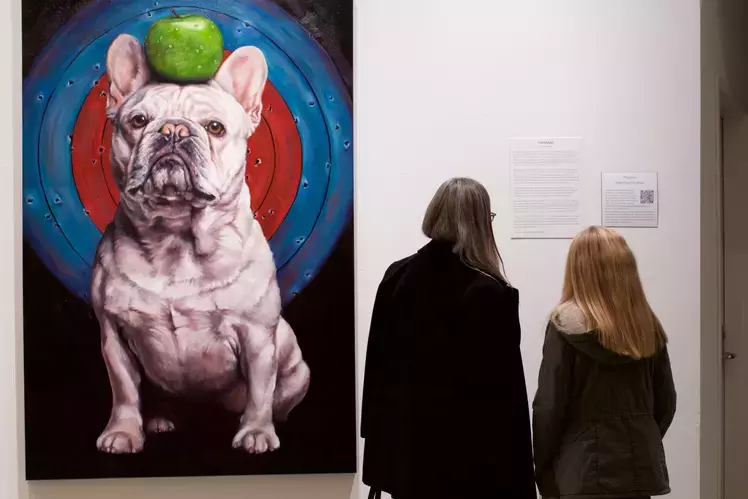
193 102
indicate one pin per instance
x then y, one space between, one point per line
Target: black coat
599 419
445 408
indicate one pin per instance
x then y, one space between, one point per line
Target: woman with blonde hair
445 411
605 394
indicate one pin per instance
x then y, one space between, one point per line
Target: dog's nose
175 129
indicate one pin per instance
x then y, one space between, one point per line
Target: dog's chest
184 344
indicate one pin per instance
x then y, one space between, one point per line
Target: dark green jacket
599 419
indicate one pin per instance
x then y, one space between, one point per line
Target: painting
188 238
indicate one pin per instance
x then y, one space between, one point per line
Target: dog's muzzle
171 176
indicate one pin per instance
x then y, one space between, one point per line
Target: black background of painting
67 394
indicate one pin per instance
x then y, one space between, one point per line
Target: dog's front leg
124 432
260 368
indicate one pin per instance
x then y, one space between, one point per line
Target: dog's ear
243 75
127 68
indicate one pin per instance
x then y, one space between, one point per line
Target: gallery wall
623 75
440 90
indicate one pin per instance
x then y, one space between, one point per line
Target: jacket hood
571 323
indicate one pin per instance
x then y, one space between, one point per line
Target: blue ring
55 222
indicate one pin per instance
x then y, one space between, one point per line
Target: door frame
716 106
728 109
721 292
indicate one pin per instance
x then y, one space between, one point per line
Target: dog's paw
159 425
121 438
257 440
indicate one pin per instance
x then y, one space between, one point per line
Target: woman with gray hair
445 409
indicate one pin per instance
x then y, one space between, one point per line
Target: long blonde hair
602 279
460 214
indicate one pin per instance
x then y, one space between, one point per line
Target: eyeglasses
493 216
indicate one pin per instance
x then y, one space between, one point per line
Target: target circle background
299 163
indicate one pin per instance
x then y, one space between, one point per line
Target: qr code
647 197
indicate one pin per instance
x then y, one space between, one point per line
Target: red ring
273 160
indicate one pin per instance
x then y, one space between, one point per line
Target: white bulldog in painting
184 284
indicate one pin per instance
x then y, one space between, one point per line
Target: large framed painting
188 241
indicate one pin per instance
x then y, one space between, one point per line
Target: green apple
185 48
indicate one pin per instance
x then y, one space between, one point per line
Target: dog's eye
138 121
215 128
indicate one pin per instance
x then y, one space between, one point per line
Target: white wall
622 74
441 86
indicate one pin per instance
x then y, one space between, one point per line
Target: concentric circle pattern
299 161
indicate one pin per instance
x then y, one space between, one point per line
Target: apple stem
174 11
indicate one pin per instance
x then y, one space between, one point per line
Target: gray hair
460 214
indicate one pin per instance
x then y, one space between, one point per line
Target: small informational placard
546 187
630 200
